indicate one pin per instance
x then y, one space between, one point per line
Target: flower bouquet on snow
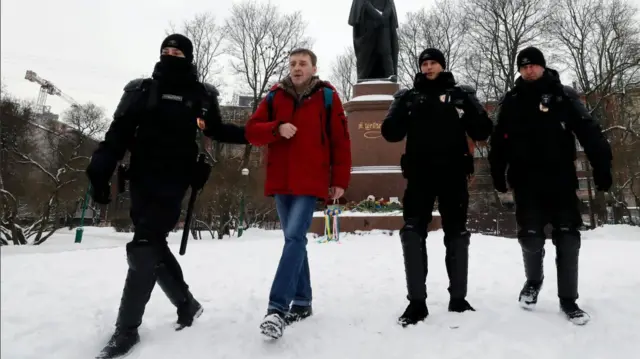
371 205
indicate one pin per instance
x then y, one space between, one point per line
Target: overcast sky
91 49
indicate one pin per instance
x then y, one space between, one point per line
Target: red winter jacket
301 165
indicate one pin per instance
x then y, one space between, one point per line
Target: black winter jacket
436 116
157 121
534 138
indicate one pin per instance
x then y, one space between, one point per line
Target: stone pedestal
376 162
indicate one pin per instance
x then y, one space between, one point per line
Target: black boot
414 252
457 263
273 324
533 255
567 244
528 297
141 278
298 313
120 344
171 280
532 244
567 241
460 305
187 313
416 312
573 313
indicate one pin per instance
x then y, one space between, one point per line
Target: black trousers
155 210
418 203
537 207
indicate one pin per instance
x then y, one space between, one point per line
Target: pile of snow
60 300
615 232
373 98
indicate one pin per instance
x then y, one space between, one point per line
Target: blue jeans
292 282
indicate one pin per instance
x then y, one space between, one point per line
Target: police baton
187 221
202 175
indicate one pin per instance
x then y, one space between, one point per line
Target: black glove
465 100
101 192
459 99
99 173
499 182
603 179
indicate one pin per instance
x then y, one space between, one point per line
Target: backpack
328 102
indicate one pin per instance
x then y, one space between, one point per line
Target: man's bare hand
287 130
336 192
505 197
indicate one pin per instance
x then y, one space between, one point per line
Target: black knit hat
530 56
181 43
432 54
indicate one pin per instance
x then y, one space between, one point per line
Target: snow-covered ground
59 300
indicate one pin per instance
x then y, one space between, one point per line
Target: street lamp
245 176
80 229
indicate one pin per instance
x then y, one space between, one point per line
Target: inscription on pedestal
370 130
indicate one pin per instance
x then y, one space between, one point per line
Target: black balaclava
174 68
181 43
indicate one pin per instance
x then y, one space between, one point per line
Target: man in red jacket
309 158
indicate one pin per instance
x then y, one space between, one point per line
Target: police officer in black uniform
157 121
533 149
435 116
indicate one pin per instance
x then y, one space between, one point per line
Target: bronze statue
375 38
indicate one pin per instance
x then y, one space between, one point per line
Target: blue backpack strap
328 102
328 97
270 95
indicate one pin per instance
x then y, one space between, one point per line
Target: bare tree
16 187
625 144
207 38
600 41
477 72
54 155
88 120
622 117
219 208
443 26
600 44
344 73
498 30
260 39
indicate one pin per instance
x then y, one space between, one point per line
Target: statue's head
432 63
302 66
